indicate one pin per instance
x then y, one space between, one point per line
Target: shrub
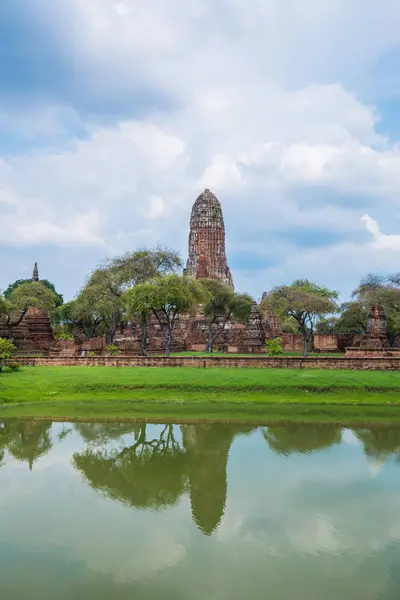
91 354
113 350
62 333
13 366
7 349
274 347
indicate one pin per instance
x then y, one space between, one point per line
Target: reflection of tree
149 473
101 433
299 438
155 472
380 443
25 440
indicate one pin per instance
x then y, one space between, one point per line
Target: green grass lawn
84 391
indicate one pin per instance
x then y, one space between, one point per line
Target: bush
274 347
62 333
7 349
113 350
91 354
13 366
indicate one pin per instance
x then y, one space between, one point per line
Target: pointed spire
35 276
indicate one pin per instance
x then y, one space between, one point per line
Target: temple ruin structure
34 333
207 253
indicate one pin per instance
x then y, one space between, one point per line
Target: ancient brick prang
35 275
207 255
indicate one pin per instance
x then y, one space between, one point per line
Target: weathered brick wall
367 352
34 333
323 342
385 364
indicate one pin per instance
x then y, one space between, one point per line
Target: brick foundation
363 364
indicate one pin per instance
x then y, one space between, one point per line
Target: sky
115 115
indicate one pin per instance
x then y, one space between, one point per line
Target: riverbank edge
356 415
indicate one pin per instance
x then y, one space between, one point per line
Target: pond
125 511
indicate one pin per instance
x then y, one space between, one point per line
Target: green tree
50 286
304 301
353 318
290 325
326 325
32 294
7 349
139 302
221 305
107 284
79 317
167 298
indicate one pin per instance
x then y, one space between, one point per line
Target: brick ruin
375 344
34 333
207 254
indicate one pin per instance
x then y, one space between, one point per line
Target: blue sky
115 115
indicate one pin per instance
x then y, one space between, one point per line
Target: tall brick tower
35 276
207 256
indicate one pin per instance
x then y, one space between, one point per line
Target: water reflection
289 439
93 511
26 441
154 471
147 473
380 443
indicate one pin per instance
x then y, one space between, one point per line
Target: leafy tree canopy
166 297
105 287
220 305
305 302
13 286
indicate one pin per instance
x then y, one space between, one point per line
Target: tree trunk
168 341
210 341
143 335
305 344
110 335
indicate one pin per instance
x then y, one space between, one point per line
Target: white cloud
264 113
156 208
380 240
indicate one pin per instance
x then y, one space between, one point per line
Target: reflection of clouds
350 438
325 503
128 556
375 465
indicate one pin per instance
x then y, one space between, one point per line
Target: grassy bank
73 392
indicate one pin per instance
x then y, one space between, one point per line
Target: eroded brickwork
207 254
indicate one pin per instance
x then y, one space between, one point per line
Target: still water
122 511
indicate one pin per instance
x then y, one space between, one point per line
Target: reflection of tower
207 455
207 448
207 256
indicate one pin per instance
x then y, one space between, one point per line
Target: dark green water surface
123 511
